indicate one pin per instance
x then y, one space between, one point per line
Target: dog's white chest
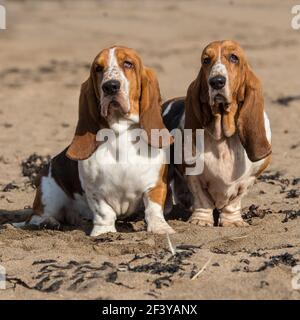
228 172
120 174
225 160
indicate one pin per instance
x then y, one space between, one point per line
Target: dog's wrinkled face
119 93
117 77
227 98
222 64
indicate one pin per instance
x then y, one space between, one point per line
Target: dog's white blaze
218 69
115 72
113 67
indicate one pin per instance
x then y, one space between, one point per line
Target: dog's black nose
111 87
217 82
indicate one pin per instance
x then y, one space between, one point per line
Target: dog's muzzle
111 87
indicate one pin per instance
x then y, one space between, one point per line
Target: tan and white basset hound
226 100
121 95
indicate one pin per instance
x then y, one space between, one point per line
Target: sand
45 56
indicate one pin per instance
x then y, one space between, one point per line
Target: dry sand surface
45 56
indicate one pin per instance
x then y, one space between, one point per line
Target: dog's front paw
234 223
201 222
97 230
49 223
160 227
202 219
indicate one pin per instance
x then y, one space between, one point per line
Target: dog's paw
202 218
201 222
49 223
97 230
160 227
237 223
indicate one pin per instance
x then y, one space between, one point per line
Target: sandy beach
45 55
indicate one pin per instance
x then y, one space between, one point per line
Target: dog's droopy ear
84 142
198 112
150 110
250 123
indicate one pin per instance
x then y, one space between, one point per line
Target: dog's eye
128 65
233 58
99 68
206 60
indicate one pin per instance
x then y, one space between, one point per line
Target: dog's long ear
84 142
198 112
150 110
250 123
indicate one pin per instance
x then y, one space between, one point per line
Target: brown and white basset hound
226 100
88 179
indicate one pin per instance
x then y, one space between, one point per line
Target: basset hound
226 100
88 178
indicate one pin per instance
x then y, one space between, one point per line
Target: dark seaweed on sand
286 259
33 165
10 186
75 275
290 215
293 193
254 212
285 101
